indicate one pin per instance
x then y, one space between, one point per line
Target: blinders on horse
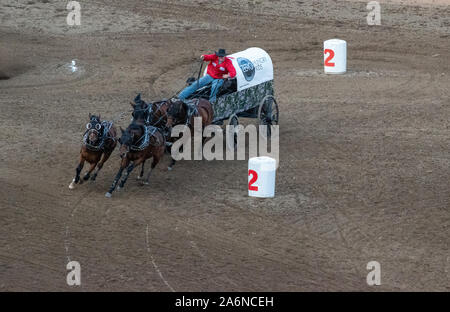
94 123
98 126
94 127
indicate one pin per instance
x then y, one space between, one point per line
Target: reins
199 73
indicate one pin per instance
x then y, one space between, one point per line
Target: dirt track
364 157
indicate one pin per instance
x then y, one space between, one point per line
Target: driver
219 68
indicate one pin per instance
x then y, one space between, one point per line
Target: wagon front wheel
268 114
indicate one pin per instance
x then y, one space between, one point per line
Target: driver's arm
208 57
231 70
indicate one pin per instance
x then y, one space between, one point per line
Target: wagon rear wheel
268 114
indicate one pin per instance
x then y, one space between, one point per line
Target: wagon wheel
232 143
268 113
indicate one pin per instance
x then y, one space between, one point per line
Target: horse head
94 127
174 113
141 110
129 137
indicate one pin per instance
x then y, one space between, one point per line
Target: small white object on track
73 66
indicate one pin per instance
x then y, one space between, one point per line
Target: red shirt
217 70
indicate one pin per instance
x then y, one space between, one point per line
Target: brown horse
138 143
177 114
99 140
154 114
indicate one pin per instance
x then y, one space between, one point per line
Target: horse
178 113
138 143
99 141
154 113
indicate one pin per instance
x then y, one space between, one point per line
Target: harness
158 105
106 125
149 132
150 114
192 109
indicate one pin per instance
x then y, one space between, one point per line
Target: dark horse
154 114
98 140
178 114
138 143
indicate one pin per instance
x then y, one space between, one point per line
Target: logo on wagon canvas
247 67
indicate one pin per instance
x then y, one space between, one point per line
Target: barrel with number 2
261 176
335 56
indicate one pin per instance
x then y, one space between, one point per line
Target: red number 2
329 58
252 180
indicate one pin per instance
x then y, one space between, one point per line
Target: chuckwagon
250 94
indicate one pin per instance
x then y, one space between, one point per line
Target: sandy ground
364 157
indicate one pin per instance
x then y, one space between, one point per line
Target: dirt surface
364 157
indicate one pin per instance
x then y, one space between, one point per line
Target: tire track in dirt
71 218
152 259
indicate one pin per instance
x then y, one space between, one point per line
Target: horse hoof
145 183
169 168
72 185
108 195
139 177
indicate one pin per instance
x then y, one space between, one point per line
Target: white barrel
335 56
261 176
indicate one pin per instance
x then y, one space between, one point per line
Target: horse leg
173 161
77 173
123 165
155 161
125 178
88 174
100 165
141 175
